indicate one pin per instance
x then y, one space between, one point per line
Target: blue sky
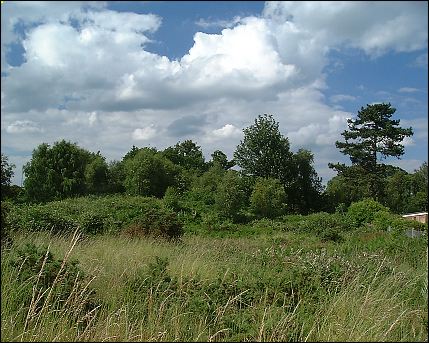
109 75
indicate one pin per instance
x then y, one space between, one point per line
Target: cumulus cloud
144 134
227 131
376 29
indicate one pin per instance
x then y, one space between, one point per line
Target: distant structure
421 217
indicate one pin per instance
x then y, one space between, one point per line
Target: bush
386 221
54 280
41 217
211 221
5 229
326 226
292 221
172 199
149 173
268 198
362 212
94 215
230 197
157 221
92 223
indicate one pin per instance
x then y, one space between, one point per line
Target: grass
282 286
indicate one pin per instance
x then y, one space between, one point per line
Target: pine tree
372 137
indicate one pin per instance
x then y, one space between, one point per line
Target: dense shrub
157 221
388 221
5 229
392 222
204 187
41 217
291 221
95 215
362 212
268 198
211 221
325 225
149 173
92 223
230 197
52 280
172 199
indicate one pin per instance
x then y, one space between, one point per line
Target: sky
110 75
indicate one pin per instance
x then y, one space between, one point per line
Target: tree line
271 179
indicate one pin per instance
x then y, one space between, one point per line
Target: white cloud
23 126
122 21
92 119
409 165
227 131
420 129
144 134
374 28
342 97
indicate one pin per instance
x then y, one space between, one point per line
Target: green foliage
172 199
372 134
5 228
264 152
52 280
6 175
230 196
391 222
131 154
92 222
304 190
420 186
218 157
280 286
95 215
399 192
157 222
211 221
268 198
116 177
204 188
405 192
57 172
363 212
149 173
291 221
326 226
30 259
187 155
96 175
41 217
347 187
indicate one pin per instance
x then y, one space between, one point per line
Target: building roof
414 214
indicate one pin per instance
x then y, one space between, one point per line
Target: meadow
265 280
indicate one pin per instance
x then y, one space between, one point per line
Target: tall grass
42 319
285 287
